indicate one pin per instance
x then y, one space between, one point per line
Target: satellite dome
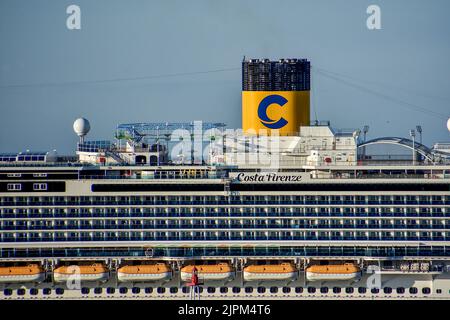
81 127
448 124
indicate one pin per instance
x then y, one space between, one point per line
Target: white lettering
73 22
374 20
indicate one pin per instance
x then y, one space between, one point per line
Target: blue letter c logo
262 111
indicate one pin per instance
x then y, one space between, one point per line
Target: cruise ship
284 208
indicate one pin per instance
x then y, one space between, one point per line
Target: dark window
236 289
85 290
148 290
324 290
211 290
261 289
59 291
438 291
47 291
387 290
248 289
362 290
336 290
223 290
123 290
110 290
413 290
349 290
98 290
286 289
400 290
34 291
426 290
161 290
7 292
20 292
136 290
375 290
298 289
273 289
311 290
185 289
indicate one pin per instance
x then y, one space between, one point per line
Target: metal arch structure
137 131
407 143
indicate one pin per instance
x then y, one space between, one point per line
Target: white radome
81 127
448 124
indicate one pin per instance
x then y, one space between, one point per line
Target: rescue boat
30 273
150 272
93 272
282 271
347 271
220 271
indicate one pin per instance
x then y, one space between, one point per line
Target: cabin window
39 186
161 290
149 290
136 290
14 175
98 290
123 290
14 187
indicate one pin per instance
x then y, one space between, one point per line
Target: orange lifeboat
347 271
93 272
145 272
220 271
282 271
30 273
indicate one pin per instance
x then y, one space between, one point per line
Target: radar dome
81 127
448 124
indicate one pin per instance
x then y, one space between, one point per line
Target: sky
391 79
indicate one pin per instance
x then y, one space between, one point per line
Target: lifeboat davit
93 272
221 271
282 271
346 271
150 272
30 273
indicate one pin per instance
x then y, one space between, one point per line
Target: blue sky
400 69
